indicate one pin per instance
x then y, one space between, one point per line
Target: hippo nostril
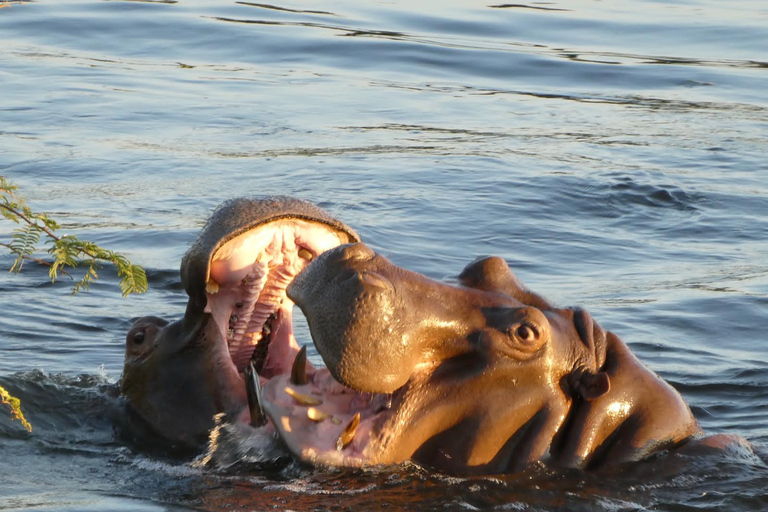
357 252
375 280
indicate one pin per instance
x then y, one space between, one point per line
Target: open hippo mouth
246 278
322 420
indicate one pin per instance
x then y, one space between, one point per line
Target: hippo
481 377
178 375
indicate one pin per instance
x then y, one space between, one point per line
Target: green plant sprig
67 250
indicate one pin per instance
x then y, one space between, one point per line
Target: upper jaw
245 314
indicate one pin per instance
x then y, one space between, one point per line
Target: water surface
614 153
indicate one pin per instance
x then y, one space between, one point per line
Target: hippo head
485 377
178 375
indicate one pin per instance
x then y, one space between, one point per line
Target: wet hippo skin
485 377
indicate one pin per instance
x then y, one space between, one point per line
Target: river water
614 153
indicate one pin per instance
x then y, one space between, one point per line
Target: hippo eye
138 338
526 333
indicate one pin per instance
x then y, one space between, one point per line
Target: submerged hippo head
178 375
485 377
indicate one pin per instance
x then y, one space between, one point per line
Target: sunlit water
615 153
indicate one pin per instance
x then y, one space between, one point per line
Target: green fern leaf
133 279
23 243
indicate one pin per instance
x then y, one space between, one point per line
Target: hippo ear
589 381
593 385
592 335
492 274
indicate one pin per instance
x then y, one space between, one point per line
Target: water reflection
538 7
613 154
285 9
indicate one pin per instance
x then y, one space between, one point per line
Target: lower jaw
313 419
312 440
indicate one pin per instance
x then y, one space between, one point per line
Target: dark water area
614 153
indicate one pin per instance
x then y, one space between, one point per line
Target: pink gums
248 278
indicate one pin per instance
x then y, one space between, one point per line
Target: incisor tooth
301 398
317 414
348 434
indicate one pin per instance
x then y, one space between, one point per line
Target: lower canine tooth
253 390
301 398
299 368
211 286
348 434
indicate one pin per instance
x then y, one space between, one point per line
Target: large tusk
299 368
253 390
348 434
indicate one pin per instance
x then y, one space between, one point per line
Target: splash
232 444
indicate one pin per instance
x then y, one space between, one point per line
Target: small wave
235 444
616 505
166 468
307 487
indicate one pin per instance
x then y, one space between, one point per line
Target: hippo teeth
299 368
348 434
317 415
302 398
253 390
261 349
